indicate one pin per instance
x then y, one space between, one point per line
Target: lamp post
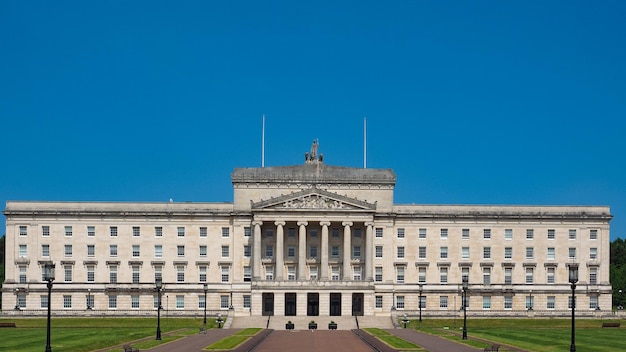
206 288
465 287
48 275
530 300
89 300
393 299
219 320
159 286
573 279
420 301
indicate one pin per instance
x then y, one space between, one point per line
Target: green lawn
235 340
532 334
88 334
392 340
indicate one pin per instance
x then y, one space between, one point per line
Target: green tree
2 251
617 271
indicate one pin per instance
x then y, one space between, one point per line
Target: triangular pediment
313 199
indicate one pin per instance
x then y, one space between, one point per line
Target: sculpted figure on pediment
314 202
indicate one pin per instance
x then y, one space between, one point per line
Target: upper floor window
180 251
508 234
136 231
444 233
379 251
225 251
572 253
487 234
45 230
421 233
113 230
23 231
68 231
379 232
530 252
508 252
593 253
551 234
400 233
91 231
247 232
593 234
400 252
68 250
530 234
225 232
443 252
113 250
465 234
23 250
335 232
421 252
136 251
180 231
572 234
45 250
465 252
486 252
203 231
158 231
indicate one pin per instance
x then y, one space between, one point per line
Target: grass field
88 334
235 340
392 340
532 334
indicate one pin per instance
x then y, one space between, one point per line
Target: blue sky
470 102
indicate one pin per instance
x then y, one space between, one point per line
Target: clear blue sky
470 102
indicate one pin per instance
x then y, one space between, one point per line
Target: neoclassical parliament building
305 240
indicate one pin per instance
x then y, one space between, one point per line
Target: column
346 249
369 258
280 250
256 257
302 250
324 264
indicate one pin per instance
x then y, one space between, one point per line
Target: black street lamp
573 279
530 300
48 275
420 301
159 286
465 287
206 288
219 320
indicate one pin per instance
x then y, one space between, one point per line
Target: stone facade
309 239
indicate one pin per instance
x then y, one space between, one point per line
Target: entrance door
335 304
268 304
357 304
313 304
290 304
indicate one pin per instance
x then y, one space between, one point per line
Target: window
113 231
247 232
443 252
569 302
91 231
508 234
550 302
400 274
530 302
379 251
421 253
68 250
180 231
400 233
508 252
593 302
269 272
225 273
443 274
291 251
508 302
379 302
22 270
572 253
247 301
443 302
313 233
158 231
487 234
334 251
487 275
486 302
400 252
357 233
530 273
155 301
136 251
530 252
291 273
67 302
203 231
201 302
593 253
112 301
247 274
378 273
335 232
465 273
593 234
180 302
180 251
91 250
313 273
91 273
379 232
45 250
269 251
334 273
313 252
356 252
113 274
113 250
247 251
68 231
180 273
135 274
551 234
572 234
400 302
89 300
23 231
421 274
45 231
270 232
550 274
158 272
67 273
464 252
444 234
43 299
422 233
225 232
593 276
508 276
136 232
291 232
551 253
158 250
134 302
224 302
486 252
357 272
202 270
465 234
530 234
203 251
24 250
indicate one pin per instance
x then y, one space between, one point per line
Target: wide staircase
302 322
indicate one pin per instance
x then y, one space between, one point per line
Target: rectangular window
91 231
269 272
269 251
247 274
443 252
68 231
112 301
530 273
508 252
91 273
593 253
180 251
158 251
530 252
180 302
158 272
465 234
91 250
551 234
530 234
356 275
422 253
203 231
113 274
572 253
443 302
136 231
291 251
134 302
247 232
135 269
572 234
335 232
291 273
400 274
421 274
67 302
465 273
400 233
180 273
247 251
443 274
291 232
45 250
464 252
400 302
379 302
67 270
22 274
43 299
487 275
23 231
247 301
508 276
486 302
89 301
313 233
334 273
422 233
23 250
155 302
180 231
593 234
313 273
593 302
551 253
201 302
508 302
550 274
357 233
379 232
45 231
334 251
508 234
158 231
136 251
225 232
593 276
400 252
313 252
487 234
225 273
550 302
68 250
379 251
113 250
529 302
486 252
224 302
202 270
113 231
378 273
444 234
202 251
356 252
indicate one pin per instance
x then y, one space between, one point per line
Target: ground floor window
379 301
21 301
224 302
593 302
201 302
486 302
134 302
44 301
443 302
400 302
246 301
550 302
112 301
67 302
180 302
508 302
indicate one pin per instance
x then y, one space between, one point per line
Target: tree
617 271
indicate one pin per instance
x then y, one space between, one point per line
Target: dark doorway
357 304
313 304
290 304
335 304
268 304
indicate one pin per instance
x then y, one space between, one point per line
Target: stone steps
302 322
